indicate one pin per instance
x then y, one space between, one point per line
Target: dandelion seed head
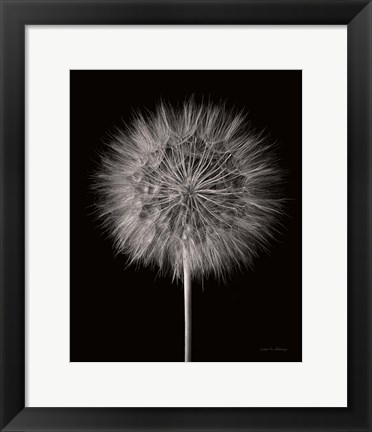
193 177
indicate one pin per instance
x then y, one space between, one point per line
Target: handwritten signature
275 348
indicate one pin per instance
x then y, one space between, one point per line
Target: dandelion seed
190 190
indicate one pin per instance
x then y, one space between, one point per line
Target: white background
320 380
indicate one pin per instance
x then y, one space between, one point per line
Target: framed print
156 333
185 217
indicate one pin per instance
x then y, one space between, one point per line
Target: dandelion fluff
192 180
191 190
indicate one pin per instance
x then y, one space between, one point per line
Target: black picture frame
15 15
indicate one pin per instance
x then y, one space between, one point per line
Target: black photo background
120 313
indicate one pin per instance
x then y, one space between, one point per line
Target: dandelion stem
187 300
